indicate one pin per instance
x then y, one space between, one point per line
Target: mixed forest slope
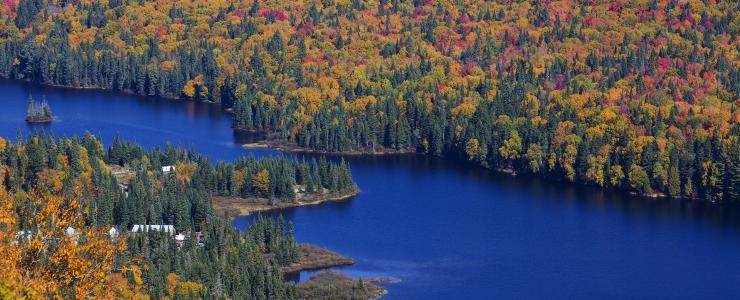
67 207
639 95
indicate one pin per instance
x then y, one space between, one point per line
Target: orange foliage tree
52 254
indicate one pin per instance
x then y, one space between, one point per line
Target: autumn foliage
542 86
44 260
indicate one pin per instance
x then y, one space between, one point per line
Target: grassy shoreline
329 283
312 257
237 206
333 285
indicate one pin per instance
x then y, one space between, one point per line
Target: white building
113 232
71 231
180 239
167 169
160 228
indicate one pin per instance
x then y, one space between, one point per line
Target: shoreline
297 149
312 257
237 206
293 148
505 171
334 285
315 258
94 88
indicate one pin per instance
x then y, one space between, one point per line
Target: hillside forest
638 95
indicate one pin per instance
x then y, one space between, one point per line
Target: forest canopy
639 95
68 206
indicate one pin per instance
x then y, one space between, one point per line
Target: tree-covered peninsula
640 95
245 185
78 220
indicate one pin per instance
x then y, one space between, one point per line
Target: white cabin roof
71 231
112 231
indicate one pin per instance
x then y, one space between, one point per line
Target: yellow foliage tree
190 87
182 289
261 182
329 87
184 171
535 155
512 147
568 160
472 148
56 256
466 109
308 97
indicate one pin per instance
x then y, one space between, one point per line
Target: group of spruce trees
706 167
228 263
38 111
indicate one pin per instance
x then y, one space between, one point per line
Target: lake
446 229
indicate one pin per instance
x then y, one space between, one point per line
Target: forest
637 95
59 198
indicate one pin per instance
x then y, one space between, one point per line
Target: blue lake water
445 229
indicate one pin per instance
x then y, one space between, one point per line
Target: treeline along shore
637 96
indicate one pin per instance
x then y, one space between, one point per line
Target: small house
167 169
180 239
73 234
113 232
71 231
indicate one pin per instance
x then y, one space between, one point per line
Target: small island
334 285
331 284
38 112
312 257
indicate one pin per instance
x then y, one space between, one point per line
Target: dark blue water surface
445 229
